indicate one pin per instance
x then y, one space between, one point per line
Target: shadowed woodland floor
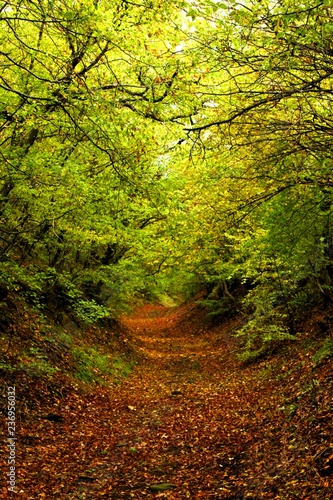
189 419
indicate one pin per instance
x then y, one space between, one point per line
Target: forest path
189 418
176 419
184 406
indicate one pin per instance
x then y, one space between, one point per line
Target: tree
263 135
147 146
80 167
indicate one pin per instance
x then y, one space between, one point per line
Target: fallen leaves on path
189 417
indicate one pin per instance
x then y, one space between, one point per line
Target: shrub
267 328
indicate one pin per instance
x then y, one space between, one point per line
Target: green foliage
219 308
37 285
65 338
266 329
326 351
6 367
81 177
36 364
91 365
22 279
86 311
147 159
39 368
89 311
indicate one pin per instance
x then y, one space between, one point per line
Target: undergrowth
34 346
92 365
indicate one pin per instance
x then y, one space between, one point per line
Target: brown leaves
189 416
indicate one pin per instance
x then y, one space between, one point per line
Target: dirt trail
188 415
181 430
